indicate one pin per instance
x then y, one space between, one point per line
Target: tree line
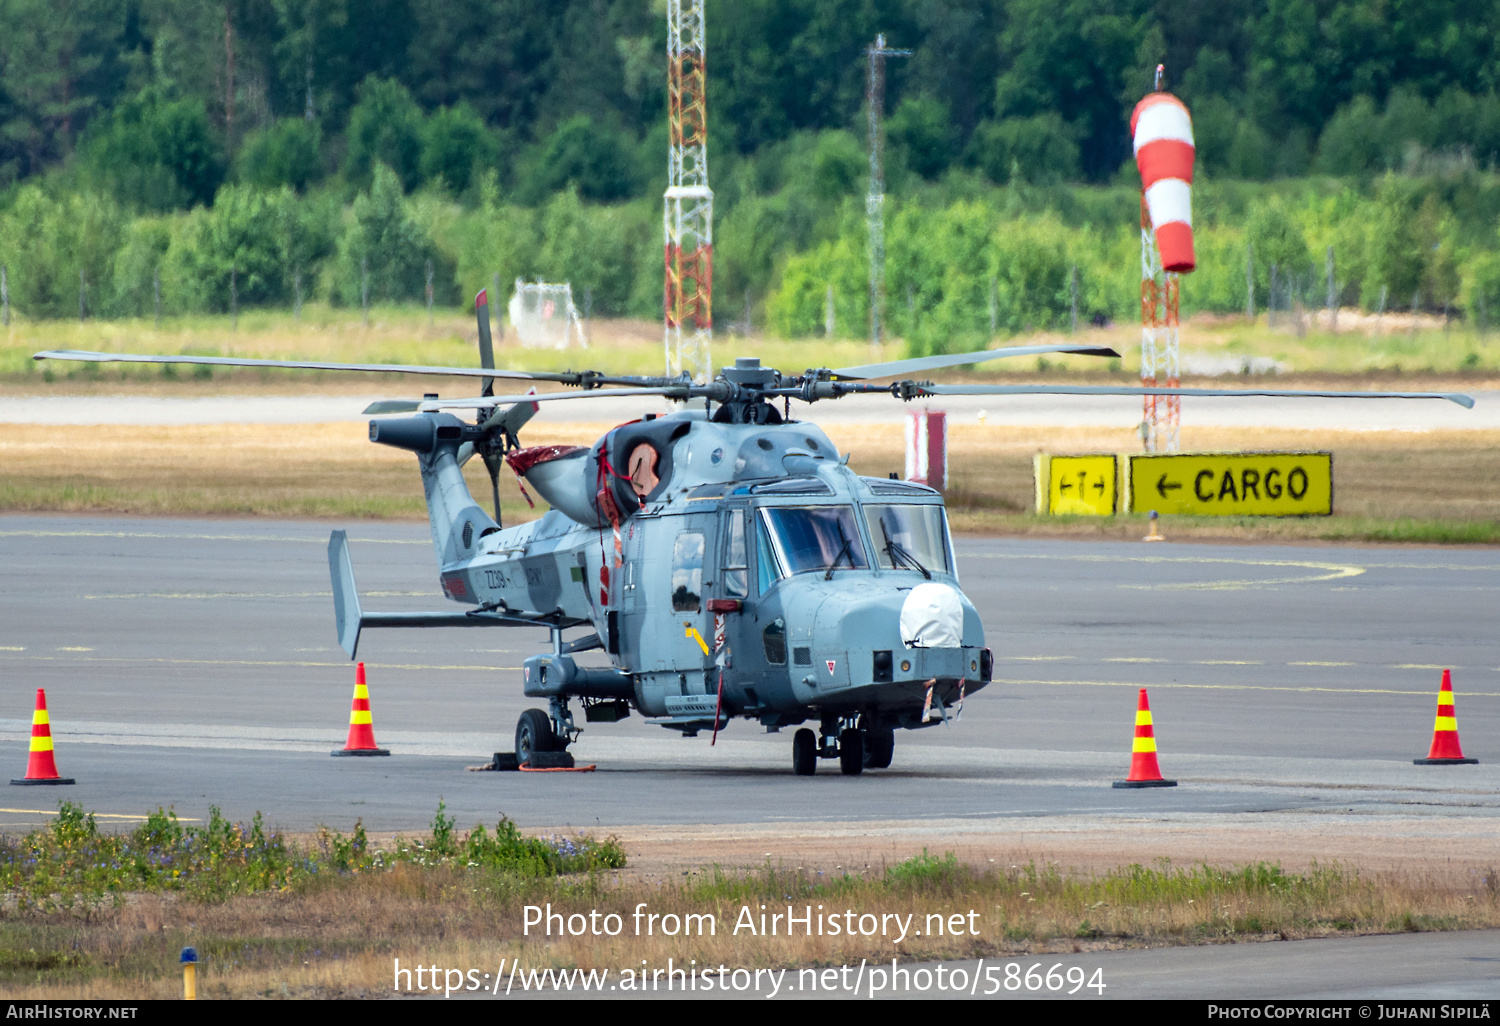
183 156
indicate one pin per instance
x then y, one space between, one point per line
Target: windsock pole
1445 750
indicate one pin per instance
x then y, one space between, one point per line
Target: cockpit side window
687 572
736 565
767 572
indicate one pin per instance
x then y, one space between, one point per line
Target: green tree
1039 150
383 240
921 135
55 246
153 153
385 127
585 156
287 153
234 251
1078 59
455 145
60 65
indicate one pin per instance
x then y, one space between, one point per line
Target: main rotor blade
565 377
483 402
1453 397
927 363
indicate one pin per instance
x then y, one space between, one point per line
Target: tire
804 753
534 734
880 747
852 753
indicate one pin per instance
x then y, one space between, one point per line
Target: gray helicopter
724 557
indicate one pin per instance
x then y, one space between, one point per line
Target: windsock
1163 133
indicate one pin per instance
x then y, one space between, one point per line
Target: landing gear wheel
804 753
880 747
852 753
534 734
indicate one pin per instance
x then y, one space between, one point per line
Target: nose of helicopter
887 635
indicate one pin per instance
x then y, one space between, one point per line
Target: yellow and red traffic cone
41 767
1445 750
1144 771
361 728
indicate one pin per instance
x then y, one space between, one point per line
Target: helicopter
724 557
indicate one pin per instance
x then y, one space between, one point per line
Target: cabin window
809 538
774 637
910 537
736 566
687 572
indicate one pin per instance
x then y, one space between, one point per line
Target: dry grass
1439 486
337 939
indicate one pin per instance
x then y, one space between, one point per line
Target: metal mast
1161 427
688 214
875 201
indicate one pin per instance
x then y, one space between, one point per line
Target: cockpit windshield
808 538
910 537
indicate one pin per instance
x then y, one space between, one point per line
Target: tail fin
346 611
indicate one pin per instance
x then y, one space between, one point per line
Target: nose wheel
854 747
534 734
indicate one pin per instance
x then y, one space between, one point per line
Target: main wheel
534 734
804 753
852 753
880 747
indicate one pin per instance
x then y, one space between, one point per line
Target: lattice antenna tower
875 201
688 214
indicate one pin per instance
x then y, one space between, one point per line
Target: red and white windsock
1163 133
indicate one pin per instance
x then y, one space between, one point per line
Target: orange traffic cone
361 729
1445 749
41 767
1143 769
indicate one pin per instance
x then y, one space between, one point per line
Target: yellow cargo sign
1263 484
1084 485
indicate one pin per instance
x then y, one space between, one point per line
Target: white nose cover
932 617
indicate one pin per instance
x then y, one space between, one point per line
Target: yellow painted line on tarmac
1312 663
1039 659
1424 666
73 648
201 537
96 815
256 662
1330 571
1133 659
12 648
1154 685
1228 662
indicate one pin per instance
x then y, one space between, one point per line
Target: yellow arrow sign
1264 484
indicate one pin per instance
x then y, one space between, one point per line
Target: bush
287 153
385 127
